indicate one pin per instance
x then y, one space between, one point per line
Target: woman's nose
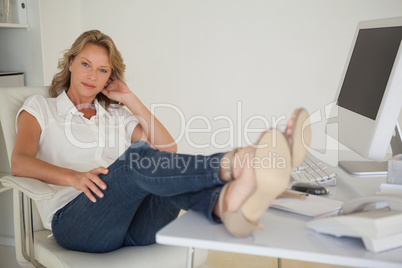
92 74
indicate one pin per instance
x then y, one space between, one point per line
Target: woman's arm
24 162
149 128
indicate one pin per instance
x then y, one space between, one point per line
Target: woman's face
90 70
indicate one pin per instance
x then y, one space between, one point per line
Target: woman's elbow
16 165
174 148
14 169
171 148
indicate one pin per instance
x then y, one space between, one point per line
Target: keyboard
314 170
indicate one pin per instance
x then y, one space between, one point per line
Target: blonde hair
61 80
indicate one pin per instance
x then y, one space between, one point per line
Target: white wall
209 57
60 23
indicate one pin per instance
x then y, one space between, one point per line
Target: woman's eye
85 64
103 70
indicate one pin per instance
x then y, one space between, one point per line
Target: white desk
285 235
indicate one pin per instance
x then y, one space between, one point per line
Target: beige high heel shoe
283 154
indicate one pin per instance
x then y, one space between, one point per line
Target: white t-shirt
71 141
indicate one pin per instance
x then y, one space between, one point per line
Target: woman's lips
88 85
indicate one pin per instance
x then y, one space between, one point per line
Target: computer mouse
310 188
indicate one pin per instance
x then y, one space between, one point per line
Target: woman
116 172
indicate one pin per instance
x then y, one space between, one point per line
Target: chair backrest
11 100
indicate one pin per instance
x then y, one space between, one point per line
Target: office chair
33 244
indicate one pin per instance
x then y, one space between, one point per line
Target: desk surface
285 235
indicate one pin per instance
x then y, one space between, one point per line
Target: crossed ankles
258 174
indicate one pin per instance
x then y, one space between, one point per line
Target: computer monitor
369 97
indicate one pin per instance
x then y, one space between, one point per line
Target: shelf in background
13 25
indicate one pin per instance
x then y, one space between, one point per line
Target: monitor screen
369 70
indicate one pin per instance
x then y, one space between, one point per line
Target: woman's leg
141 171
153 213
167 174
156 212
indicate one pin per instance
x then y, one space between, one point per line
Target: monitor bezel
367 137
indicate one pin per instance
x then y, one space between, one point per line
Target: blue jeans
145 191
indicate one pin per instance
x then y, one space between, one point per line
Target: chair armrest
35 189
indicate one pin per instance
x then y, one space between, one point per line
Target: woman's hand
89 182
117 90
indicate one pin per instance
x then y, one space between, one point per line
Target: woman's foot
261 173
240 189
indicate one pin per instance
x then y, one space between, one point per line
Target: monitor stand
372 168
